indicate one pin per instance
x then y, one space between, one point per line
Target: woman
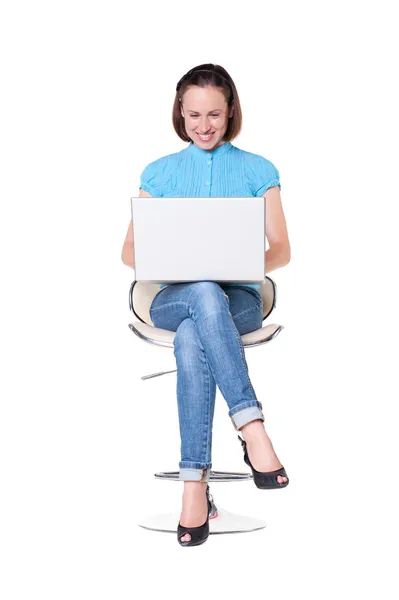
208 317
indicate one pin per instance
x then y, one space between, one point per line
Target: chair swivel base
220 520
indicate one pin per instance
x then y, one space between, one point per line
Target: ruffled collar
200 152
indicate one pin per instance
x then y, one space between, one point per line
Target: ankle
194 487
252 430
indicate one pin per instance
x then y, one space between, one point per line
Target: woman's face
206 116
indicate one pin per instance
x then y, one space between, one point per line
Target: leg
247 318
196 387
207 305
196 392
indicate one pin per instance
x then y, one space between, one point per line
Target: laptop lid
199 239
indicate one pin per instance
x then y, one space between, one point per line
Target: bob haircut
214 76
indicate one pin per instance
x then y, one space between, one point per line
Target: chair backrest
141 295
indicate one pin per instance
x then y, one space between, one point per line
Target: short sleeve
150 180
263 175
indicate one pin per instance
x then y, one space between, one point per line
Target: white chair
141 295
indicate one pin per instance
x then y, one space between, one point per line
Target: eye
196 116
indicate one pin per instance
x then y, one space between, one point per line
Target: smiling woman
209 125
214 116
209 318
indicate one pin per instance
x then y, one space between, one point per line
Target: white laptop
199 239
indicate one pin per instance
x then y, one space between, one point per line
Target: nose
204 125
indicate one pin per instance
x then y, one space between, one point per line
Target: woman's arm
279 253
128 244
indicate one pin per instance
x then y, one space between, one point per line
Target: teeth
205 137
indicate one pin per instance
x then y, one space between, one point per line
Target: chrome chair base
222 522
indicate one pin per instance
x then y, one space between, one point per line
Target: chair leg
158 374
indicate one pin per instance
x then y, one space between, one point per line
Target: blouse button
207 183
209 162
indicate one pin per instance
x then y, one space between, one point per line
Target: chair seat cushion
142 294
164 337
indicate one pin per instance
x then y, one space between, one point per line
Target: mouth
205 138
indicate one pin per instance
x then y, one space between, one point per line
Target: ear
181 110
231 111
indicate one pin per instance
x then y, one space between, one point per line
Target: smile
205 138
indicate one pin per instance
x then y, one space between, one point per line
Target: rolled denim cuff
246 415
188 474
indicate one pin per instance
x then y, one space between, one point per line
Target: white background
87 93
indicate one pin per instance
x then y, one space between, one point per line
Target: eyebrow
211 111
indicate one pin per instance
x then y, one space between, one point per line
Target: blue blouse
227 172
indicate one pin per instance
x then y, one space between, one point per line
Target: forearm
276 257
128 255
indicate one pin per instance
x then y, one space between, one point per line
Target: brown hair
208 75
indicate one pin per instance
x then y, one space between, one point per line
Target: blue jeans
208 319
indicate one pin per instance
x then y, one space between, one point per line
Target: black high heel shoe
199 534
268 480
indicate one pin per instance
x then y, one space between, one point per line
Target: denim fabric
208 319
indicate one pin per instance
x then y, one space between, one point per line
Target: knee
186 342
209 296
